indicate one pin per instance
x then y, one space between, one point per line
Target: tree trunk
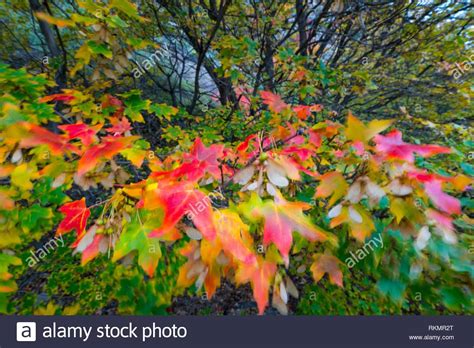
53 47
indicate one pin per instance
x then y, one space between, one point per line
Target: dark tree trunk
53 47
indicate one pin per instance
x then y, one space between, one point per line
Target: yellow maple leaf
22 176
356 130
332 184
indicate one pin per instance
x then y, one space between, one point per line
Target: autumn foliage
181 210
354 167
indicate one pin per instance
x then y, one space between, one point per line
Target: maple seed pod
291 288
335 211
354 215
263 156
423 237
17 156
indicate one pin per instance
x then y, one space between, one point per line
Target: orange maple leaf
260 274
327 264
105 150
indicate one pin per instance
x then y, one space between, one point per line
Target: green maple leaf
135 238
392 288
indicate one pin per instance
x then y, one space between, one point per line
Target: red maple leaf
303 111
178 199
281 219
119 126
198 162
274 102
207 157
77 214
243 146
248 148
58 97
115 103
111 101
433 185
105 150
37 135
392 146
81 131
191 171
440 199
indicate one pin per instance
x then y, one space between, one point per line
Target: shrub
301 196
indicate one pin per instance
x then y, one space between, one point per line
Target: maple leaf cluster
250 237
